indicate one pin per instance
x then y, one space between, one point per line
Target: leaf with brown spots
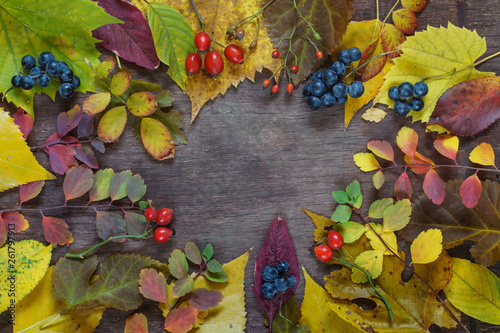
405 20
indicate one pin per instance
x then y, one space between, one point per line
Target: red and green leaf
153 285
181 320
136 323
178 264
136 188
193 254
100 187
183 286
77 182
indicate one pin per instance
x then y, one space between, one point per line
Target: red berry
202 41
275 89
275 54
289 88
240 33
323 252
234 54
150 214
165 216
162 234
193 63
266 83
335 240
319 54
295 69
214 63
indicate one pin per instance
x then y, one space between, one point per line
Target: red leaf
16 220
136 323
392 38
181 320
419 159
56 231
132 39
371 53
30 190
382 149
61 158
402 188
66 121
86 155
86 125
204 299
3 232
469 107
470 191
447 145
77 182
24 121
153 285
277 247
434 187
53 139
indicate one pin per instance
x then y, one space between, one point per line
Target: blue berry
338 67
318 76
313 102
27 82
281 284
28 61
328 99
356 89
35 71
43 80
63 65
339 90
268 290
282 267
66 90
394 93
344 57
342 100
417 104
354 54
318 88
269 273
67 75
44 58
420 89
76 82
16 81
402 107
330 77
306 91
53 68
406 90
291 281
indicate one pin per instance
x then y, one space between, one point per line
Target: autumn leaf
48 27
414 5
447 145
374 115
181 319
204 299
397 216
96 103
15 219
56 231
483 154
136 323
470 191
100 186
371 261
366 162
112 124
446 54
24 121
157 139
109 224
405 20
378 179
434 187
407 141
153 285
290 315
66 121
403 188
321 223
427 246
17 163
77 182
382 149
372 61
118 185
459 223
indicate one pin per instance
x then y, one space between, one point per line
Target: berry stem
302 17
202 25
251 17
485 59
390 12
216 42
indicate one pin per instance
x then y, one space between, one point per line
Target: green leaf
136 188
340 196
164 99
183 286
378 207
358 201
208 252
109 224
106 67
174 39
173 122
77 182
350 231
157 139
58 26
112 124
100 189
118 185
142 104
193 253
353 191
178 264
136 223
143 205
216 277
342 213
397 216
214 266
120 83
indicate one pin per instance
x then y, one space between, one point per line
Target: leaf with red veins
403 188
62 158
56 231
16 219
66 121
30 191
24 121
470 191
434 187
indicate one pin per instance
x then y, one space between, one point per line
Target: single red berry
214 63
202 41
234 54
266 83
193 63
289 88
275 89
165 216
319 54
150 214
295 69
275 54
335 240
323 253
240 33
162 234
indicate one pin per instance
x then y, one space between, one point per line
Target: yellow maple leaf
218 16
446 54
427 246
17 163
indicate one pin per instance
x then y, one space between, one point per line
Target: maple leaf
445 54
33 27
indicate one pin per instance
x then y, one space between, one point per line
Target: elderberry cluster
47 67
408 97
277 279
328 88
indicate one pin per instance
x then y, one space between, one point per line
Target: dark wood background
251 157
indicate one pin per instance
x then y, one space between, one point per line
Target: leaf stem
390 12
441 166
485 59
18 209
53 318
202 25
251 17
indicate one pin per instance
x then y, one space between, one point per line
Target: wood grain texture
251 157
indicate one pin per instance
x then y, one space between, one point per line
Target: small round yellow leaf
427 246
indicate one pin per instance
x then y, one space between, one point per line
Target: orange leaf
407 141
402 188
392 38
419 159
483 154
16 220
470 191
56 231
405 20
434 187
136 323
414 5
377 62
382 149
447 145
181 320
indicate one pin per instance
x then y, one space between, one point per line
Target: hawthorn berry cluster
162 217
277 279
325 252
214 64
408 97
47 67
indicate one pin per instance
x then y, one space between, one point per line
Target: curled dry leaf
374 115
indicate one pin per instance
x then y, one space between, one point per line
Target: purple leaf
132 40
62 158
24 121
277 247
98 145
53 139
86 155
86 125
66 121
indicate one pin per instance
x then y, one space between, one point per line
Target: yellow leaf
389 238
39 308
316 313
321 224
17 163
230 314
427 246
371 261
475 290
366 162
157 139
375 115
22 265
112 124
483 154
435 52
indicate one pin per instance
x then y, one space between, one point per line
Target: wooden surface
252 157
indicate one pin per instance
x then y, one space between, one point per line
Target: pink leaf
14 221
470 191
66 121
56 231
24 121
136 323
62 158
434 187
403 188
30 190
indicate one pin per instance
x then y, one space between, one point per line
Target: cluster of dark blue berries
408 97
327 88
47 67
277 279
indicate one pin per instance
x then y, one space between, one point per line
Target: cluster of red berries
214 64
325 252
162 217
